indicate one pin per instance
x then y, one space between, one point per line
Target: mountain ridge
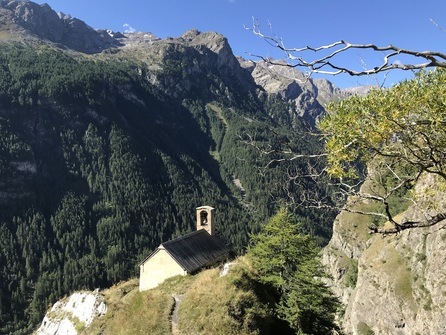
32 21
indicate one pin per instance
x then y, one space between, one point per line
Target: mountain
26 20
109 142
307 97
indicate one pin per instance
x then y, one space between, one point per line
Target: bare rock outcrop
392 284
69 315
32 20
307 96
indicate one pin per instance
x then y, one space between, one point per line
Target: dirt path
174 318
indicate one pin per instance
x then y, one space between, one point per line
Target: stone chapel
186 254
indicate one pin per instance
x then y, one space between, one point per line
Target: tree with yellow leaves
400 133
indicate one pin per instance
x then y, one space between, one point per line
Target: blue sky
404 23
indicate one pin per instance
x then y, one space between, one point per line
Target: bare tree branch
438 26
327 64
411 224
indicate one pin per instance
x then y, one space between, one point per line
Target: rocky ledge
75 313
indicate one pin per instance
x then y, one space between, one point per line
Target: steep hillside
211 302
99 166
391 284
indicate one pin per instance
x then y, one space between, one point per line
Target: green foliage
29 76
391 137
351 276
403 124
364 329
287 261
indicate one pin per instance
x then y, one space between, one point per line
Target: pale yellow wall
157 269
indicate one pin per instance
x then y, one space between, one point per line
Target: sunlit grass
223 305
134 312
210 304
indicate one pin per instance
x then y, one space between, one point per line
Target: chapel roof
195 250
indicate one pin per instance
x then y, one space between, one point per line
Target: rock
399 286
180 66
65 315
307 97
224 271
42 22
60 327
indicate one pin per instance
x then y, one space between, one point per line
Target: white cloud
128 28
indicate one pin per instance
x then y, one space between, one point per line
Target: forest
98 166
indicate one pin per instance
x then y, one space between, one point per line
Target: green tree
287 261
399 133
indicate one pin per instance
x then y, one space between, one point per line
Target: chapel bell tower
205 219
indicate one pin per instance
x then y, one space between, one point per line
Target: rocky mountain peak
189 59
190 34
214 42
32 20
307 96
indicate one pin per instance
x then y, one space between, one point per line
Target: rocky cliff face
307 97
180 65
392 284
31 20
71 315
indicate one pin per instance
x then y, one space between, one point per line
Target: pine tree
287 261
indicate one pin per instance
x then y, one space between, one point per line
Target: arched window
204 218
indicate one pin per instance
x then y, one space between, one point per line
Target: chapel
186 254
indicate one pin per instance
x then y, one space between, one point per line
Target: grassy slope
210 304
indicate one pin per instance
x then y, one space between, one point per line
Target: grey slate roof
196 250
